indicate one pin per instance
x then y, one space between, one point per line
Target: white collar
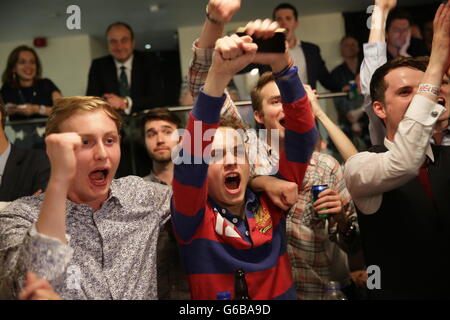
127 64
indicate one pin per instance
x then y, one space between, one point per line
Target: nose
230 160
100 152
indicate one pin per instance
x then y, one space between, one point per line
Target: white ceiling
25 19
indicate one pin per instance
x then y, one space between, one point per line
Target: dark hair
3 113
9 74
159 114
348 37
285 5
256 91
378 84
398 14
123 24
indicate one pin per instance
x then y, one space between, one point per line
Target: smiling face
271 114
228 171
286 19
97 158
402 84
26 66
160 139
397 33
120 43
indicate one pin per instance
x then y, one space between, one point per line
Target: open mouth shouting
99 177
233 182
441 101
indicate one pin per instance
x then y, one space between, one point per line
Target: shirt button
434 114
235 220
246 233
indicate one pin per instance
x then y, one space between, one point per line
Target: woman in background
27 95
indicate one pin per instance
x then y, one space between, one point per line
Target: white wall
65 60
325 30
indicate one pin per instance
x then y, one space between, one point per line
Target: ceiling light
148 46
154 8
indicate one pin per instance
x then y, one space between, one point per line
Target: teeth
233 175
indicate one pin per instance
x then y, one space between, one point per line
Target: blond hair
64 108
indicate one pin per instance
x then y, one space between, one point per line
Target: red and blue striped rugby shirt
213 242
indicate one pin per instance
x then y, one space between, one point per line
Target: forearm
341 141
260 183
378 25
300 133
369 174
52 217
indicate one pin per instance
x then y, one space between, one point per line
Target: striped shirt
214 243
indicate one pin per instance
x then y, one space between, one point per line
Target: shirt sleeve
198 71
300 131
189 185
23 249
374 57
338 183
368 175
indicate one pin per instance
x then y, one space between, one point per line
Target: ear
379 108
258 117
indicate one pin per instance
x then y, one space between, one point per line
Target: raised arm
411 141
231 54
300 130
341 141
374 57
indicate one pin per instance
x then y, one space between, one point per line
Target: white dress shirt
128 67
300 61
368 175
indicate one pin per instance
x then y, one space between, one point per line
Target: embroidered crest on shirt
263 219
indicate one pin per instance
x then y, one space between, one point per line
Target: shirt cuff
202 56
130 104
424 110
49 257
375 50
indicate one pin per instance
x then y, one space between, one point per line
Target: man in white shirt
403 218
306 55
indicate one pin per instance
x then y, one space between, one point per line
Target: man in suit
126 78
22 172
398 37
306 55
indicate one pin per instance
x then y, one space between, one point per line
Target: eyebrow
93 135
154 129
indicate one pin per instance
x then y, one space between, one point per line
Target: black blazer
146 89
26 172
317 70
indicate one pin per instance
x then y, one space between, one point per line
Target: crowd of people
222 198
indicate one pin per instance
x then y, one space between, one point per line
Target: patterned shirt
111 253
309 237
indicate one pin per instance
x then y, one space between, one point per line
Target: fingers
330 200
234 46
33 284
261 28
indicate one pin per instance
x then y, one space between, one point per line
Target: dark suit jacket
26 172
317 70
146 89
